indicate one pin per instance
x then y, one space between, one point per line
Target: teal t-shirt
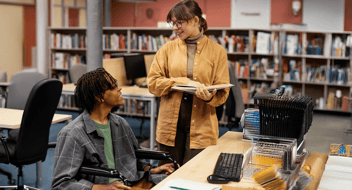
104 130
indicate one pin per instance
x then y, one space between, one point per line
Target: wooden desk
129 92
3 86
202 165
11 118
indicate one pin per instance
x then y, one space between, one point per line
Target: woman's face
186 29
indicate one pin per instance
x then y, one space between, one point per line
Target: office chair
76 71
21 85
112 173
31 144
234 103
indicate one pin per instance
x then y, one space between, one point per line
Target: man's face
113 96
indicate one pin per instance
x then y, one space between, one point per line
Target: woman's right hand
194 83
111 186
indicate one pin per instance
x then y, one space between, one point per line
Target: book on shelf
291 44
192 89
262 45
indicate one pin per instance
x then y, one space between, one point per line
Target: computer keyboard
229 166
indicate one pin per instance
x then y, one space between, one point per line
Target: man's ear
99 100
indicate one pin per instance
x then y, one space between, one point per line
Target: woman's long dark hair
186 10
91 86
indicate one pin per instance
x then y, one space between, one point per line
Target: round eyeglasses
172 24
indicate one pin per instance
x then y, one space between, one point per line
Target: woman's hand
164 169
194 83
204 94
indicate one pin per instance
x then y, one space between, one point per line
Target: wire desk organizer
284 116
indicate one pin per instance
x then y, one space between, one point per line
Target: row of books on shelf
262 68
337 101
340 46
339 75
247 94
233 43
68 41
114 41
149 42
266 43
62 76
317 74
61 60
293 45
242 68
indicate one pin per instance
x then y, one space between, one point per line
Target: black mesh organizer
284 116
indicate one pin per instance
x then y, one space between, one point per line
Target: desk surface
11 118
5 84
202 165
126 90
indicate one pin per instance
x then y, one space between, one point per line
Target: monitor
134 66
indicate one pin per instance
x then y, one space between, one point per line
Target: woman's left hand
203 93
164 169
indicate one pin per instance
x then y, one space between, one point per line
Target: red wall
29 32
348 15
281 12
218 13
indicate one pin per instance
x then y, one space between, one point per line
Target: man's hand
204 94
164 169
111 186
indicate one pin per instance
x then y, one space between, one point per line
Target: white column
42 36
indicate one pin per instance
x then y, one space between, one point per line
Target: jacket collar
88 122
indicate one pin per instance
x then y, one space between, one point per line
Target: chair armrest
4 143
157 155
52 145
100 171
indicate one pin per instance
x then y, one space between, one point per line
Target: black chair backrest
32 142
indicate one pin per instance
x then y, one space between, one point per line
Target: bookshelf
264 59
318 64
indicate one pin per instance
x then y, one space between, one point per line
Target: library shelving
316 64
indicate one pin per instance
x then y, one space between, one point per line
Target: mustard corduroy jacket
169 68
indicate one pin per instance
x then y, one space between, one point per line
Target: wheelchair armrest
152 154
157 155
100 171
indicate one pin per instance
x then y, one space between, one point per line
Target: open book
188 185
192 89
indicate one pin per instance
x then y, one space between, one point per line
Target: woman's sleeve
159 81
221 77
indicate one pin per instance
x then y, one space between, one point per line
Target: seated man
98 137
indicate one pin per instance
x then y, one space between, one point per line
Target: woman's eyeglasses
172 24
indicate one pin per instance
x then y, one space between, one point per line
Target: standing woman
187 123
